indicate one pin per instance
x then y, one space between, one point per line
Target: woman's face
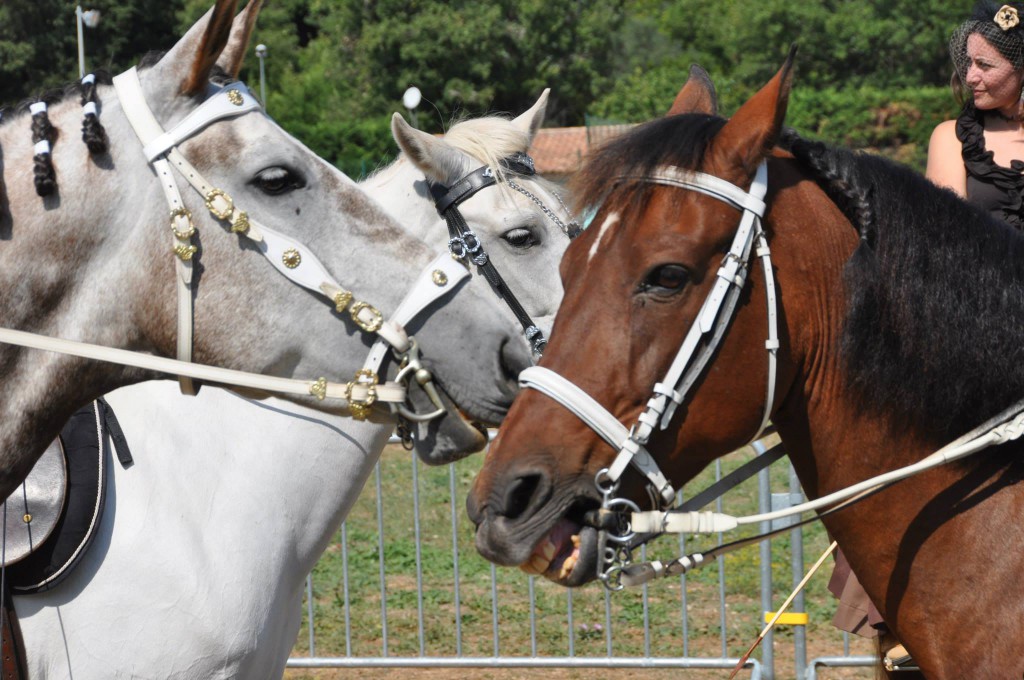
991 77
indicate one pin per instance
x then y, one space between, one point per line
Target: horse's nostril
518 495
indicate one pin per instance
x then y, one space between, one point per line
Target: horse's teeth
539 564
576 540
529 568
567 566
548 550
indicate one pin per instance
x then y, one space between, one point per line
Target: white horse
198 567
91 260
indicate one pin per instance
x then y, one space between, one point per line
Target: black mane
935 295
935 291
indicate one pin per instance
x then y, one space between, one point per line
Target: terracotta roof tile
560 151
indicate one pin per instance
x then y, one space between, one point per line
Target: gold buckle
371 326
220 214
182 235
361 408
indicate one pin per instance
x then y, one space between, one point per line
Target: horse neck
833 443
56 252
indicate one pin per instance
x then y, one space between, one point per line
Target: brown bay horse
899 318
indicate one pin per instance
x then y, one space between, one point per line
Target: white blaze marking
609 221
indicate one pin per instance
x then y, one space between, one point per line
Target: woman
978 154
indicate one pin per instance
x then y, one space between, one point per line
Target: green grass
662 609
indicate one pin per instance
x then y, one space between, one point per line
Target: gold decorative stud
221 213
341 300
235 97
182 234
27 518
291 258
185 252
240 223
371 326
439 277
319 388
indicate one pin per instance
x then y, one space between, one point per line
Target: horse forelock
488 140
931 334
678 141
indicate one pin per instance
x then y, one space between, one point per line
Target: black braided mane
935 296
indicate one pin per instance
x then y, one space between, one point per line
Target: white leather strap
388 392
233 99
597 417
439 278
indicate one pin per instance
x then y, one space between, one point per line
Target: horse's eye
521 238
277 180
667 279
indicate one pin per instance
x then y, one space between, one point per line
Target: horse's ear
194 56
697 96
238 42
436 158
530 120
752 132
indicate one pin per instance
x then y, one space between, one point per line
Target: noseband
464 244
697 349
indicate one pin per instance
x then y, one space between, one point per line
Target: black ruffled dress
998 190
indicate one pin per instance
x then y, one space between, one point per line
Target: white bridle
693 355
288 256
698 346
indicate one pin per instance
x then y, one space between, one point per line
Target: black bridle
463 243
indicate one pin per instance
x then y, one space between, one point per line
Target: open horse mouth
556 544
567 555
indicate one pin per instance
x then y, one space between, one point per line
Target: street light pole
90 18
261 52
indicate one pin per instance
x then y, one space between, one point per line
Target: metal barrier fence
403 587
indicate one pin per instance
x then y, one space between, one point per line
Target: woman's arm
945 163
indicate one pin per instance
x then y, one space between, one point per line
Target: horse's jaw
450 437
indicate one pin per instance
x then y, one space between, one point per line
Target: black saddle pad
83 439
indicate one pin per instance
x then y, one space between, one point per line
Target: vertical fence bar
764 502
797 550
380 562
309 614
684 604
455 558
494 607
647 607
608 621
419 549
533 615
721 571
570 622
345 589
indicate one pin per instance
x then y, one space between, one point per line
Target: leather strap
13 645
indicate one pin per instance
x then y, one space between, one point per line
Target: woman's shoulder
945 132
